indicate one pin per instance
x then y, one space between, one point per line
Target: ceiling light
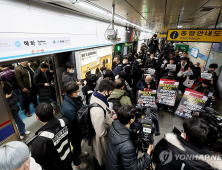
179 26
109 14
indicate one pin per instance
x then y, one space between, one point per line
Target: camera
82 81
213 118
149 126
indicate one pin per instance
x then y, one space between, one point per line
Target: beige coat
101 126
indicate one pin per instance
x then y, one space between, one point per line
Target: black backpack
85 123
116 103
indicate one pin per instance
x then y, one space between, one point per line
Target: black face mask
114 63
107 96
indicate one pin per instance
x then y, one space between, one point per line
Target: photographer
212 68
172 151
153 45
121 151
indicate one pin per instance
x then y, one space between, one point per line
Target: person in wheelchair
146 83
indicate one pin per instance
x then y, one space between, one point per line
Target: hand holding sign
206 76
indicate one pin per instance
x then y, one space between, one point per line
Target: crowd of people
113 145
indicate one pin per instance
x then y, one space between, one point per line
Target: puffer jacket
39 81
172 152
125 100
121 152
12 102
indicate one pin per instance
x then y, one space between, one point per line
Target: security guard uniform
51 148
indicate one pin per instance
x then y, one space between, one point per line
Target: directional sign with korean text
195 35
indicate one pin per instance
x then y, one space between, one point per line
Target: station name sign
195 35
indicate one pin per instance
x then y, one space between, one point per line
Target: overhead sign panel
161 35
195 35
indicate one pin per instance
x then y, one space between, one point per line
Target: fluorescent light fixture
179 26
109 14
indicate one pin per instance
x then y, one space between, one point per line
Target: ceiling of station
156 15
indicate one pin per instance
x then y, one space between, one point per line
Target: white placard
188 73
171 66
151 71
207 76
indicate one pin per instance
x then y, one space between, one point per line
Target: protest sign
167 92
188 73
191 100
206 76
171 66
146 98
151 71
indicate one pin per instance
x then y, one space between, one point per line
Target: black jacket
12 102
166 48
121 152
170 78
142 84
88 90
178 67
172 146
162 70
153 47
39 81
150 63
52 149
137 72
127 68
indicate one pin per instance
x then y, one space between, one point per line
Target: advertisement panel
93 59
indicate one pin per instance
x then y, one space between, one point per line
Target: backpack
85 123
116 103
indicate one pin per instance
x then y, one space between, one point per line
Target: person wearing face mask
69 75
88 89
153 45
42 80
71 104
177 55
126 68
151 62
121 150
118 66
101 123
181 67
212 68
120 93
15 155
162 67
158 55
196 136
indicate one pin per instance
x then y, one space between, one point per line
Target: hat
207 82
214 65
184 58
171 72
